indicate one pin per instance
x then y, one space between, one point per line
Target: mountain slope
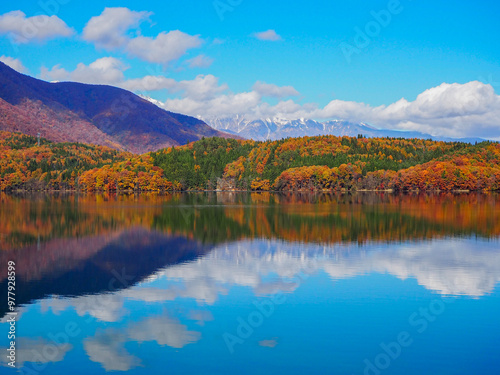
103 115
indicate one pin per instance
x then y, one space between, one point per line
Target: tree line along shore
293 164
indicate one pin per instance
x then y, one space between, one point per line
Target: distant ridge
276 128
96 114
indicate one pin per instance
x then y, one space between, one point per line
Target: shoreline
300 191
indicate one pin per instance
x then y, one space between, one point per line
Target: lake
240 283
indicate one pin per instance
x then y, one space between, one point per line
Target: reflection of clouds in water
104 307
107 347
37 350
202 289
451 267
164 330
447 267
201 316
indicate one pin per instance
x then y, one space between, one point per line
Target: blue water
270 306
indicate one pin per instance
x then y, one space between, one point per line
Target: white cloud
106 70
150 83
269 35
203 87
200 61
111 30
15 64
228 104
268 89
38 28
454 110
166 47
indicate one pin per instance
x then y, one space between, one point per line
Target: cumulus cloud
203 87
39 28
112 28
269 35
200 61
199 89
109 29
450 109
165 48
15 64
268 89
106 70
454 110
149 83
228 104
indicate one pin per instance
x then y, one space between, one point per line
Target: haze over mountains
97 114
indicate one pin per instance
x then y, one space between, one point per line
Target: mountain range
97 114
277 128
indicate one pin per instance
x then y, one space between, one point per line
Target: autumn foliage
293 164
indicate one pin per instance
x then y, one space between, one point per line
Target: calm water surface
252 284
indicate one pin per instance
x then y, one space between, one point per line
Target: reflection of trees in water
216 217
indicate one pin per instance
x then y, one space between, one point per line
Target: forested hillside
307 163
97 114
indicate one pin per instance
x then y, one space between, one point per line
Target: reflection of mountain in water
90 265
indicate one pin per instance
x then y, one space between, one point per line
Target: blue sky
326 59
